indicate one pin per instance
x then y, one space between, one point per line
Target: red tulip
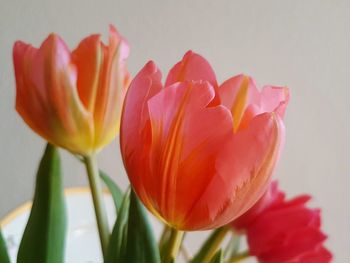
72 99
284 231
197 154
272 197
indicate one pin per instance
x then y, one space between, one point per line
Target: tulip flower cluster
199 155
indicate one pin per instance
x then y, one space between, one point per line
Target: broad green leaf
113 188
218 258
43 240
141 244
118 239
4 257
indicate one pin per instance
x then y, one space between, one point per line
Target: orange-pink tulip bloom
72 99
198 154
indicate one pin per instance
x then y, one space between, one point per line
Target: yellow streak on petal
170 160
239 104
96 81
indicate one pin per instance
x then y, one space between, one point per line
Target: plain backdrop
302 44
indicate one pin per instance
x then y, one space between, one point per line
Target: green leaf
113 188
4 257
141 244
117 243
132 239
218 258
43 240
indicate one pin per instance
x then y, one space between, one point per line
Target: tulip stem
239 257
211 246
164 236
97 197
173 245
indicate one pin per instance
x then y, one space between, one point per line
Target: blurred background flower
72 99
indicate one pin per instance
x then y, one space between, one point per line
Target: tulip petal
282 251
272 197
88 58
319 255
192 67
185 141
47 97
303 218
135 136
245 101
113 80
274 99
298 201
236 94
244 168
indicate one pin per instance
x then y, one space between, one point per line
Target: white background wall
302 44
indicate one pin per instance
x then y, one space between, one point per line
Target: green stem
164 236
97 197
174 245
211 246
233 245
239 257
164 241
185 253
